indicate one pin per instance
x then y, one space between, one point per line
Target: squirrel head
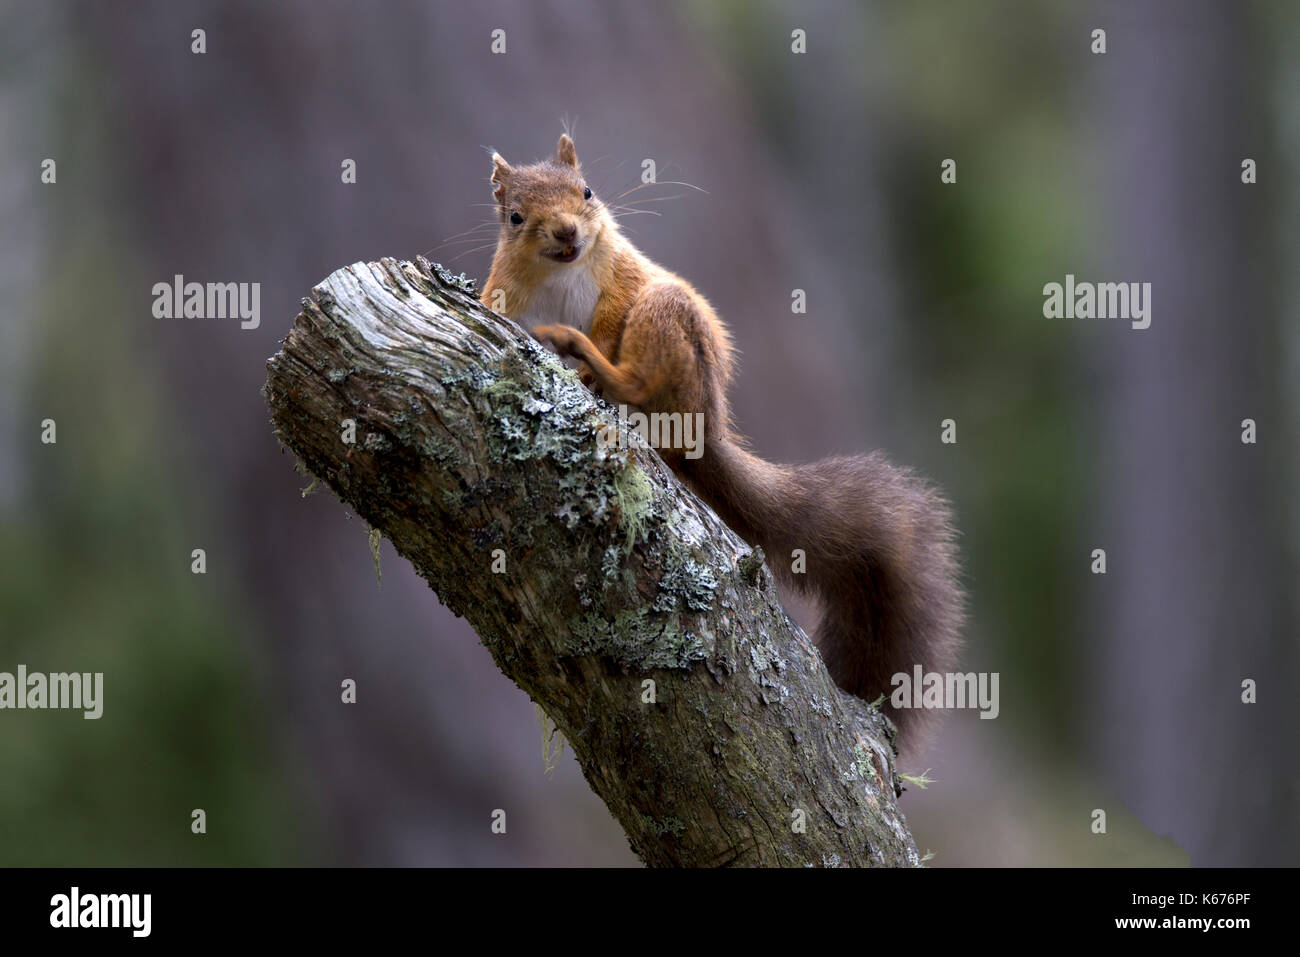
548 213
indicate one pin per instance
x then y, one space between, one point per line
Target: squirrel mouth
565 254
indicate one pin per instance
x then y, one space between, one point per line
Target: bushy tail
880 558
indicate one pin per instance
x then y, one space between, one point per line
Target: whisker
650 199
474 235
476 229
469 251
460 243
605 181
667 182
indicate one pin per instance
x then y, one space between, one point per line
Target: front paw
559 337
588 378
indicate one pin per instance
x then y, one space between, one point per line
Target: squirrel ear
500 176
566 152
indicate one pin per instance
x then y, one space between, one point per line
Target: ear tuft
566 152
500 176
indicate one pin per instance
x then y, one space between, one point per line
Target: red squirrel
879 555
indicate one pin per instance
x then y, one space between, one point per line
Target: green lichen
638 638
663 827
338 375
922 780
635 504
537 411
685 584
862 765
750 565
552 740
584 497
469 377
376 442
611 563
533 427
460 282
582 585
438 449
375 538
516 435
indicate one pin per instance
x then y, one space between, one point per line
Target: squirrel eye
516 218
586 192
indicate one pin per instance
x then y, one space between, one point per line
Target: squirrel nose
565 235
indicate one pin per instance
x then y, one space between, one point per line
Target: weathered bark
474 445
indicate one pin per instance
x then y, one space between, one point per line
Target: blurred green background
820 171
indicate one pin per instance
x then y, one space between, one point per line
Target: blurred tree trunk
586 572
1199 593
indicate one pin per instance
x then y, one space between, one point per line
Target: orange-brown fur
880 558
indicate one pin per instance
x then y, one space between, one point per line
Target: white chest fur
568 297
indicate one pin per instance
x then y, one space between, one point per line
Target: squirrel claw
560 337
588 378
